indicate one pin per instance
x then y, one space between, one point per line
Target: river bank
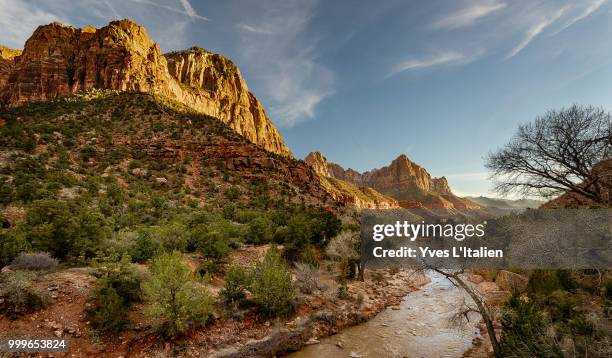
321 317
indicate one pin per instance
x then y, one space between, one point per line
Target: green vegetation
271 285
118 286
104 179
237 280
89 187
554 315
176 299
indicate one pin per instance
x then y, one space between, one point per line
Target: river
421 327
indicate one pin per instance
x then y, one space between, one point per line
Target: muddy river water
421 327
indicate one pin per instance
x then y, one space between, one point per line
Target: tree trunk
484 312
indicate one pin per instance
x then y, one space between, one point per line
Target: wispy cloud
112 9
187 8
535 30
439 59
255 30
594 6
468 15
289 78
18 20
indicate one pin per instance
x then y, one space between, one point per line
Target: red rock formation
331 178
407 182
60 60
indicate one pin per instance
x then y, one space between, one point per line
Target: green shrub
18 293
260 231
523 332
271 285
562 305
210 243
65 229
144 247
236 283
232 193
543 282
118 286
208 267
175 299
12 242
582 326
309 257
108 312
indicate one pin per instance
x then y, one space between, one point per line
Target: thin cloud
594 6
18 19
287 74
188 8
469 15
255 30
535 30
191 13
112 9
443 58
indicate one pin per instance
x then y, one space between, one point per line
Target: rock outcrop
59 60
331 177
403 180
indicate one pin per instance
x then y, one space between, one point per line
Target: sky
444 82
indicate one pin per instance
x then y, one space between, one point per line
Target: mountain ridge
59 60
402 180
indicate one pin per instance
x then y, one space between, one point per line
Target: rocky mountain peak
319 164
402 180
59 60
440 185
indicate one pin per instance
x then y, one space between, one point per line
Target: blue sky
441 81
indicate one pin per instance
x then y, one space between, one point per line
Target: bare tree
481 306
556 154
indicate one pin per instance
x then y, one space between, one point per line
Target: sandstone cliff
403 180
60 60
332 179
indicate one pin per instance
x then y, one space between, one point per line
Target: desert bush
12 242
210 243
208 267
260 231
108 312
34 261
144 247
309 256
271 285
344 245
307 278
523 334
18 293
117 287
543 282
236 283
581 326
343 292
175 299
562 305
